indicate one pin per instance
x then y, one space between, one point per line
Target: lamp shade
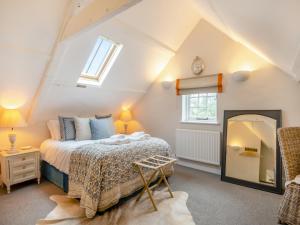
126 115
12 118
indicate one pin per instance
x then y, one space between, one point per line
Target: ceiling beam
95 12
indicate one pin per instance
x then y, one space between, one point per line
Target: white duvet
58 153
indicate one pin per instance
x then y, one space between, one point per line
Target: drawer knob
23 167
23 158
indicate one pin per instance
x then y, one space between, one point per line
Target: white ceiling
267 27
151 32
148 45
79 5
167 21
28 30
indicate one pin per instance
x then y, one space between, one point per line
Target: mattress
58 153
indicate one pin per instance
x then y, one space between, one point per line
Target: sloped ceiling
167 21
151 32
86 13
270 28
28 30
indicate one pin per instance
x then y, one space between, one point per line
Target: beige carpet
172 211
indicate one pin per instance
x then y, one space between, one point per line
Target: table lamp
12 118
126 117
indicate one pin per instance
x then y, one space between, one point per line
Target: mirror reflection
251 149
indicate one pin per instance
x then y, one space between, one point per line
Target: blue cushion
67 128
102 128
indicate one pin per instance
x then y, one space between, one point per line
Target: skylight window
99 62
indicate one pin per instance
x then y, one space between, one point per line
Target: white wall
28 31
25 46
159 110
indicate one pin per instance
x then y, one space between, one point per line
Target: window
200 107
99 62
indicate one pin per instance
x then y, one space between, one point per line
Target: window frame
109 59
185 111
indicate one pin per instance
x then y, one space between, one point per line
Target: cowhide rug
171 211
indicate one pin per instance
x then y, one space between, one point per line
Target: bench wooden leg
147 188
156 163
148 183
166 182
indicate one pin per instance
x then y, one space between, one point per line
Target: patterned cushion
83 130
67 128
102 128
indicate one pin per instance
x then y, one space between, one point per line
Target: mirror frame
274 114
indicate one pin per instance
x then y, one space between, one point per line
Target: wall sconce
241 75
167 84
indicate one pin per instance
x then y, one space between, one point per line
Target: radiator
198 145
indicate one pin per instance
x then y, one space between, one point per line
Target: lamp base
11 151
125 128
12 139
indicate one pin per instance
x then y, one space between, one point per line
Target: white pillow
53 126
83 130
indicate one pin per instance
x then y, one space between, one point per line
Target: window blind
203 84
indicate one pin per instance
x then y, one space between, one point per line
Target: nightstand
19 167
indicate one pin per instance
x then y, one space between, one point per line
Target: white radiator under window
198 145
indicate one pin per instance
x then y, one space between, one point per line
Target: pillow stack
79 129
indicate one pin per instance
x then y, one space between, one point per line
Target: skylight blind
97 58
99 62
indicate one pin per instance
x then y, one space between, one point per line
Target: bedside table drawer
23 160
23 163
23 177
23 169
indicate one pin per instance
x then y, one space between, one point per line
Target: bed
99 172
56 159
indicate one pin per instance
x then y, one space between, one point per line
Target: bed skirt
55 176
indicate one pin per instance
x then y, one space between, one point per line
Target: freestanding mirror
251 155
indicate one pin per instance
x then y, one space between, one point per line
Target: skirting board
199 166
